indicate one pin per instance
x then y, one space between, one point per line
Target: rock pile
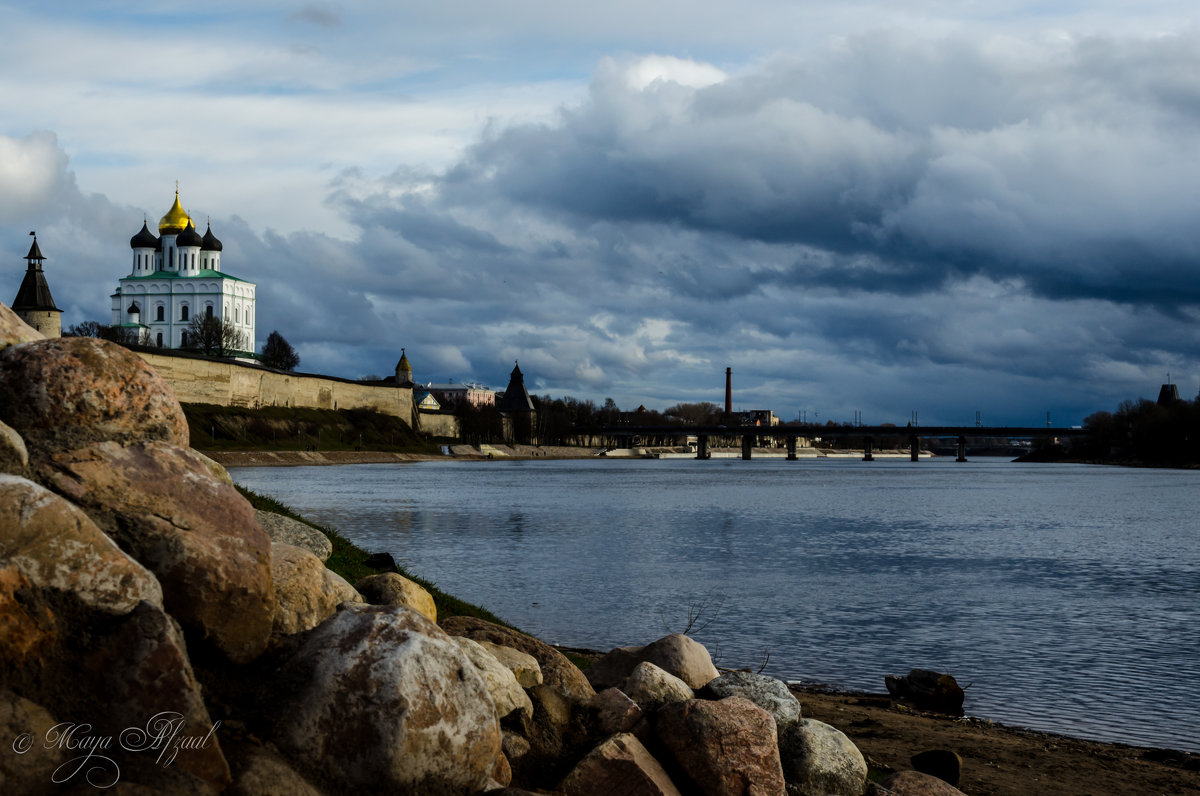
158 636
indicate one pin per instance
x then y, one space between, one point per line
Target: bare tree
116 334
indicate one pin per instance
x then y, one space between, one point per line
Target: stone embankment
160 636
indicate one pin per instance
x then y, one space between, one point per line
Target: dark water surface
1067 596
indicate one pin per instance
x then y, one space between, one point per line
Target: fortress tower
33 303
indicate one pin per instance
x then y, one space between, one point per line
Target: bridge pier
868 445
791 447
914 449
747 446
962 449
702 447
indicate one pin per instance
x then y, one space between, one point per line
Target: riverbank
997 759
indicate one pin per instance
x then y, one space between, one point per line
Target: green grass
349 561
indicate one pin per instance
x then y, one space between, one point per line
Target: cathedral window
159 312
183 313
160 339
208 311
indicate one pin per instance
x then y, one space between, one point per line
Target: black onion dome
189 237
211 244
144 239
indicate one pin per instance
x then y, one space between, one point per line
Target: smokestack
728 393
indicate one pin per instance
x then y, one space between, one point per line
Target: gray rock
651 687
13 330
914 783
820 759
289 531
379 698
768 693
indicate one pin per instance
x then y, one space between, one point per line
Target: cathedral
176 278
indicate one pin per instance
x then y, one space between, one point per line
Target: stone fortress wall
199 380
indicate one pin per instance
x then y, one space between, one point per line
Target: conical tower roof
34 293
516 397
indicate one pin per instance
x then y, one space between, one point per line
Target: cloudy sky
935 207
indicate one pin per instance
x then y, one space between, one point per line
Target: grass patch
281 428
349 561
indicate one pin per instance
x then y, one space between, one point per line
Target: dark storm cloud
912 163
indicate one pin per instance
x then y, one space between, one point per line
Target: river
1065 597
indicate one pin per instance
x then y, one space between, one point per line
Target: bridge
791 432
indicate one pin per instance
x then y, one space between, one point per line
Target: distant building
33 303
177 277
426 402
451 394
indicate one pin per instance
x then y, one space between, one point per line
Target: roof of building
176 219
145 239
210 242
34 293
189 237
516 397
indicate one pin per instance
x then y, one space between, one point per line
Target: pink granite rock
621 764
68 392
727 748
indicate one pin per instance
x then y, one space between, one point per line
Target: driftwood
927 690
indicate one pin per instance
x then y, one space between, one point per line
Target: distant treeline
1142 432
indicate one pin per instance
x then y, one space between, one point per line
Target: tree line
1144 432
205 334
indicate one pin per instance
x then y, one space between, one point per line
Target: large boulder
621 764
392 588
69 392
196 534
289 531
677 654
768 693
819 759
379 698
651 687
612 711
557 672
59 547
502 685
306 593
13 330
727 748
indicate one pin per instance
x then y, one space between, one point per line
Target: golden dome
175 221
